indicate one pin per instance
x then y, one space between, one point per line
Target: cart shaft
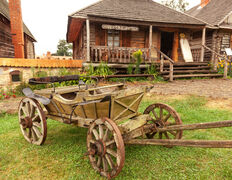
210 125
185 143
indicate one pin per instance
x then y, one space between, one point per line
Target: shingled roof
4 10
137 10
214 13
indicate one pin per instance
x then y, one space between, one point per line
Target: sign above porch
119 28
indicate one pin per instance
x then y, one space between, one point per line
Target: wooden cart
111 115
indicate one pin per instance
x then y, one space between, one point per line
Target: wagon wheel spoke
101 132
28 108
29 133
110 161
37 132
110 142
106 135
172 133
154 113
95 133
92 141
161 113
32 112
167 117
111 152
99 161
25 110
105 166
166 135
34 137
36 118
36 124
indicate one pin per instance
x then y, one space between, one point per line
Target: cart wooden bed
111 115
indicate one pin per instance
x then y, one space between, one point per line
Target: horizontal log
185 143
124 76
209 125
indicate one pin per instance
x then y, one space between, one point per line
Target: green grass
62 155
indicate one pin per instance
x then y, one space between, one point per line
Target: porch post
150 42
203 43
88 40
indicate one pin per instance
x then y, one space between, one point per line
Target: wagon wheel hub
27 122
99 148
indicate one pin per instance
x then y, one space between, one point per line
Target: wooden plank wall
138 39
6 46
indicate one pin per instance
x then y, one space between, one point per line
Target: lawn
62 155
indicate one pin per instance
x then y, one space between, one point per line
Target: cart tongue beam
210 125
185 143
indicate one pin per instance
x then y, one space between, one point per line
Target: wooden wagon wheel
32 121
164 115
106 147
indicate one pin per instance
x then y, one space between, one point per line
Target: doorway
167 43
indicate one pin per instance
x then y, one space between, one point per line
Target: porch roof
136 10
214 13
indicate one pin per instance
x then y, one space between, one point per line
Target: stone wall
25 74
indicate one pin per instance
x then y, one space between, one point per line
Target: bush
138 58
102 70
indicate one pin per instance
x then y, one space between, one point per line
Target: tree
179 5
64 48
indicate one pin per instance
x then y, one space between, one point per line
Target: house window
15 76
113 38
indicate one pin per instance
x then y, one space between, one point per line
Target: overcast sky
47 20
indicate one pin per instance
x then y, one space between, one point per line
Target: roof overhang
74 28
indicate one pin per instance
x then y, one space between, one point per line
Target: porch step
194 75
189 72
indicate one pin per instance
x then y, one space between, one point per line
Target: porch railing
171 63
116 54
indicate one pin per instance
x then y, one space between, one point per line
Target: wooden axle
185 143
209 125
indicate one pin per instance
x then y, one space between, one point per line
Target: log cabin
111 30
7 43
218 36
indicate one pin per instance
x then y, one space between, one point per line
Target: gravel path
214 88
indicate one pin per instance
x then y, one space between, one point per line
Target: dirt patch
154 96
222 104
10 106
